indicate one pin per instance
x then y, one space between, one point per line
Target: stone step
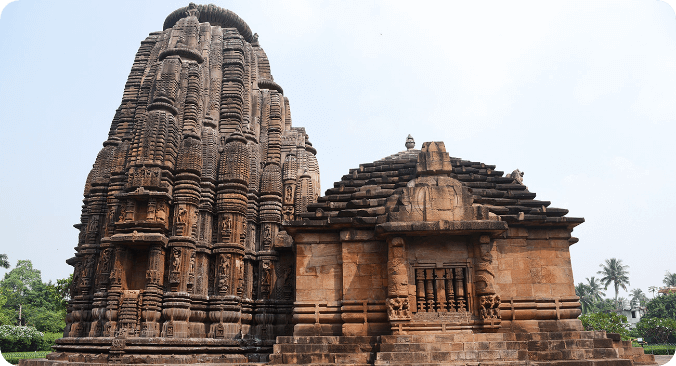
606 362
436 357
451 347
552 336
324 364
316 348
444 338
327 340
457 363
314 358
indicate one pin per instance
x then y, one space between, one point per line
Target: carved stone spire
179 234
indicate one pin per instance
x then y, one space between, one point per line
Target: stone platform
572 348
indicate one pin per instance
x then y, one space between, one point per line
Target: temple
204 239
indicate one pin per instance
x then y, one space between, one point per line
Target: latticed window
441 289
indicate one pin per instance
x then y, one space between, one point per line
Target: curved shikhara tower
181 225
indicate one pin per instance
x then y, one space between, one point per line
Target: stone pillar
114 293
398 307
152 296
489 301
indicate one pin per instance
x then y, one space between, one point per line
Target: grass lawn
657 349
14 357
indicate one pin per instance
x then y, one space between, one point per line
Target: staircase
451 349
627 351
572 348
324 350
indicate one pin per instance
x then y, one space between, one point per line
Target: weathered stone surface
181 249
203 238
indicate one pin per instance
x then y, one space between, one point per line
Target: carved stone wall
180 233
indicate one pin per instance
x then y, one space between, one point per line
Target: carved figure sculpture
517 175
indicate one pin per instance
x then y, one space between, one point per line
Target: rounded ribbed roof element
215 15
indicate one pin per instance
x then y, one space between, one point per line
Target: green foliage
582 291
610 322
669 279
659 349
616 273
4 262
663 306
48 340
14 357
42 305
6 315
638 297
19 339
590 294
656 330
47 320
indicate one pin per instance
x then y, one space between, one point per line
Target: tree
638 298
610 322
4 262
26 300
616 273
595 289
653 289
657 330
662 307
582 291
669 279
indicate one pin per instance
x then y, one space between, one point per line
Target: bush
48 341
663 306
19 339
48 321
610 322
657 330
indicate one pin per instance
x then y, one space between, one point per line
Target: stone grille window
441 289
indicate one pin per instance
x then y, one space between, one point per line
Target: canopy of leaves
663 306
610 322
4 262
43 305
614 272
657 330
638 298
669 279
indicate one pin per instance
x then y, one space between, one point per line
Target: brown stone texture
203 239
181 255
442 261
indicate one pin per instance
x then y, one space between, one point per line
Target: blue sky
577 94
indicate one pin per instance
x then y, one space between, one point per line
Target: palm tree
622 303
653 289
669 279
4 262
638 297
582 291
595 289
616 273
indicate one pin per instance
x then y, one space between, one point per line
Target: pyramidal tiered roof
359 198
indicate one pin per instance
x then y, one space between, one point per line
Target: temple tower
180 233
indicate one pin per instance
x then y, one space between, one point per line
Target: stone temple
204 239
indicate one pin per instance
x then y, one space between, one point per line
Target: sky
579 95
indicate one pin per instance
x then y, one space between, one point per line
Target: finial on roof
410 143
192 10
